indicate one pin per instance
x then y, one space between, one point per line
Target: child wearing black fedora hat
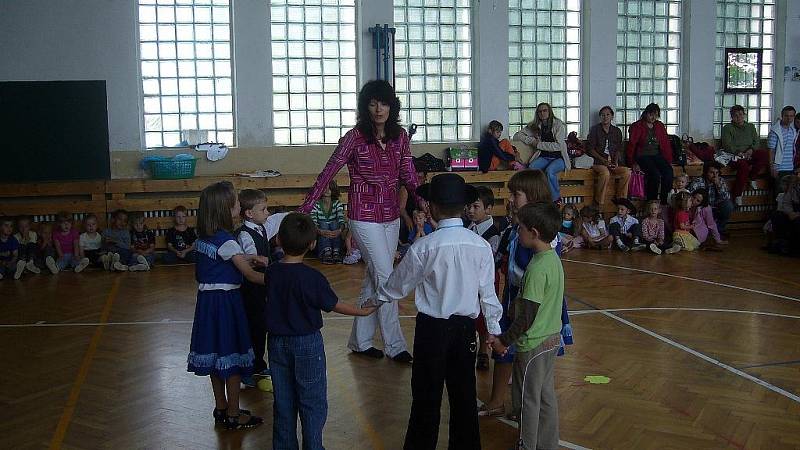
452 273
625 228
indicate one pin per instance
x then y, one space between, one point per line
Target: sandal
221 414
232 422
483 411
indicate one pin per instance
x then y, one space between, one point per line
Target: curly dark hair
383 92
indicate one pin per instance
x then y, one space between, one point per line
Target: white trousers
377 243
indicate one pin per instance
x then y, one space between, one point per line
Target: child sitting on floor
682 235
67 243
9 251
180 239
569 234
46 249
703 224
28 240
143 244
625 227
681 181
593 229
653 230
328 215
91 242
117 241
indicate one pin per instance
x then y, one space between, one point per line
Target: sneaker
674 249
105 260
654 248
31 266
20 269
51 264
118 266
350 259
326 256
337 256
114 259
622 246
142 261
739 201
138 268
82 265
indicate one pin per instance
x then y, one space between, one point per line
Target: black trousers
444 352
657 171
615 230
254 298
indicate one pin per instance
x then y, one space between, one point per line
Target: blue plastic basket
173 169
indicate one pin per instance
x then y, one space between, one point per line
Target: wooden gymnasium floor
702 349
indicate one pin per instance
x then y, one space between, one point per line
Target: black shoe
403 357
232 422
221 414
372 352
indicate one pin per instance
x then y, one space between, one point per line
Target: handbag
636 186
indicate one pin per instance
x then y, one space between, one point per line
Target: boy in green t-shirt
535 330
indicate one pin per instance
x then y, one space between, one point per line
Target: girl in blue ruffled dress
220 346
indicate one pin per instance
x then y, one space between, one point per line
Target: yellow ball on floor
265 384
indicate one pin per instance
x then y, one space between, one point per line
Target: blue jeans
300 385
550 166
331 243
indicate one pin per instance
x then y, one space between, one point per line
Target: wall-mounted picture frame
743 70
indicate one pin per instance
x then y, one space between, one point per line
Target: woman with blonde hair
549 146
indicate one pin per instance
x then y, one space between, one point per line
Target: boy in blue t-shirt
296 293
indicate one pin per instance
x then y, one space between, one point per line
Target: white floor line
704 357
582 312
698 280
515 425
42 324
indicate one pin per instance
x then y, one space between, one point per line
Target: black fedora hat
627 203
448 189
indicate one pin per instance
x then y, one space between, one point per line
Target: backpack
574 145
678 153
428 163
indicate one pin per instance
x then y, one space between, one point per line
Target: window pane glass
749 25
434 61
548 65
317 50
190 41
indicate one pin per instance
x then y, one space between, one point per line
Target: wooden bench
156 199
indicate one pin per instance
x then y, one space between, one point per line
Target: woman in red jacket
649 150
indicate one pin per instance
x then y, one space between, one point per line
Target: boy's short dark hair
544 216
249 198
485 195
296 233
495 125
736 108
180 208
119 212
6 219
450 209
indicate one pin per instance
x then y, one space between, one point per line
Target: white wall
96 39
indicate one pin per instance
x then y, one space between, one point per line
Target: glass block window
313 70
745 24
544 50
648 60
187 85
433 64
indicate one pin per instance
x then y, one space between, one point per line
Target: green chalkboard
53 130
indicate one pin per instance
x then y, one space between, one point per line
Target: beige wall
287 160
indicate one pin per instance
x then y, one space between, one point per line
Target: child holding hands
535 331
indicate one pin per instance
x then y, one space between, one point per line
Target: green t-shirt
543 283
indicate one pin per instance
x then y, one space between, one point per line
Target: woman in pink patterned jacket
378 156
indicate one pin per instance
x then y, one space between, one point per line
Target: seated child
625 227
67 243
682 235
28 240
569 234
490 152
117 241
535 331
452 274
143 244
328 215
593 229
46 249
9 251
681 181
703 224
180 239
653 230
296 293
252 236
421 226
91 243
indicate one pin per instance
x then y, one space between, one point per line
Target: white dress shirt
481 228
452 273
